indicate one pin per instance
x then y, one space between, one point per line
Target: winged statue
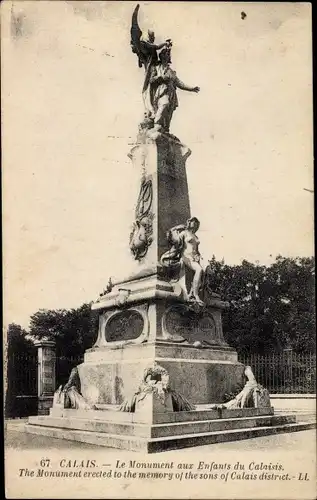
143 45
146 50
160 82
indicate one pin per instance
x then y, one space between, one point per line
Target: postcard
159 324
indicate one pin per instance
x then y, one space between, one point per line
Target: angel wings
143 45
160 81
136 34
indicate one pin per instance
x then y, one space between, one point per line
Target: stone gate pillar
46 378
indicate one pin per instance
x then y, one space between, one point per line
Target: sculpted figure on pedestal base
253 395
70 396
184 253
156 382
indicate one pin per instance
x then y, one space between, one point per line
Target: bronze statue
184 253
164 83
146 50
160 83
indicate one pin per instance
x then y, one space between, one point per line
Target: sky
71 102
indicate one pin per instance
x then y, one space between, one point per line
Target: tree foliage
271 307
73 330
17 340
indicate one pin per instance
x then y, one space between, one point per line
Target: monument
160 369
160 313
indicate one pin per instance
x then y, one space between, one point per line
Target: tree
73 330
271 307
294 310
20 359
17 340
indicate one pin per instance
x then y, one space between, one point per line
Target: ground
304 441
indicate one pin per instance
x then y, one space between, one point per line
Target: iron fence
284 373
281 373
21 384
64 365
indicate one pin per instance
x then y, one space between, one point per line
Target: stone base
206 375
149 309
147 321
171 430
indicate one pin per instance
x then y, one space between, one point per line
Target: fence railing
284 373
64 365
21 377
22 373
280 373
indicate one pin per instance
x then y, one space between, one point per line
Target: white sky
68 187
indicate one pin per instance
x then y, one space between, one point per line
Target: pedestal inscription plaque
191 325
125 325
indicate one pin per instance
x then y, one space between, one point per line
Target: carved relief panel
192 325
123 326
142 230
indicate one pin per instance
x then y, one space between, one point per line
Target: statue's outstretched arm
181 85
154 45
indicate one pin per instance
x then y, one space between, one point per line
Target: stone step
160 430
176 442
152 445
220 425
301 415
97 426
110 415
90 437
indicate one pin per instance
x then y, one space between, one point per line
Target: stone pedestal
161 328
111 375
46 375
163 194
162 201
145 319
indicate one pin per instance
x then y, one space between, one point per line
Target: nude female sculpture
184 253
